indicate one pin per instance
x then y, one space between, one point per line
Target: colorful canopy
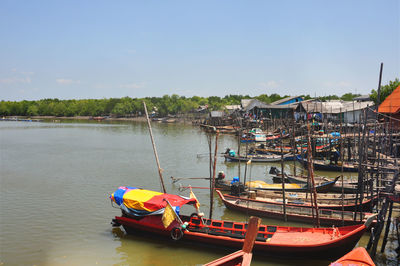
141 202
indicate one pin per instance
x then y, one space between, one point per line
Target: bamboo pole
213 177
154 149
283 180
311 177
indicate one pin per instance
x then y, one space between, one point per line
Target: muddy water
56 179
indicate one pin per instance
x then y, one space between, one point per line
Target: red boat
241 257
283 241
358 256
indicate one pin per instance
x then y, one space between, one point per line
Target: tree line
165 105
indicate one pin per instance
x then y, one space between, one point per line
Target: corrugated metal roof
245 102
217 113
233 107
391 104
335 106
284 100
255 103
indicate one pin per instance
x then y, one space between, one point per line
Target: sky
112 49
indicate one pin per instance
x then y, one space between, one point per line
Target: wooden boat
241 257
254 135
262 149
321 165
320 188
293 212
325 201
283 241
256 158
276 136
358 256
226 185
348 186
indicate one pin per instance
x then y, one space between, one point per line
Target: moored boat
324 200
320 188
293 212
357 257
322 165
257 158
348 186
142 213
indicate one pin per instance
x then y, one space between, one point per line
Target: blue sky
103 49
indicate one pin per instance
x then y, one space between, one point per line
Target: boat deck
308 238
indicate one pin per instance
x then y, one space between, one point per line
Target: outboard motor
274 171
237 188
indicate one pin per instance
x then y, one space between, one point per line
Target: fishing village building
283 108
391 107
336 110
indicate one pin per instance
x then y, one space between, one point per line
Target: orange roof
391 104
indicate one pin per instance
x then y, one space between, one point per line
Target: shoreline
175 120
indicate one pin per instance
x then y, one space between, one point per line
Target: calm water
56 179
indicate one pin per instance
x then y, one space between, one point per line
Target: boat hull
332 248
293 213
328 167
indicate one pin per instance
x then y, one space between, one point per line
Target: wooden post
379 89
283 180
341 159
294 145
154 149
213 177
311 174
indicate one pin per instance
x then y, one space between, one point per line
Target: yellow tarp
262 184
136 198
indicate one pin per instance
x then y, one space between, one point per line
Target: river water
56 179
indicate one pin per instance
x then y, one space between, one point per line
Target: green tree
33 110
386 90
349 96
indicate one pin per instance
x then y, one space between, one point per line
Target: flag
192 196
169 215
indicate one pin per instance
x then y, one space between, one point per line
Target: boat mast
154 148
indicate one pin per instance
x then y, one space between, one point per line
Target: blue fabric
119 194
235 179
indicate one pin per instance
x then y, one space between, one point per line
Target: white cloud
132 85
67 81
28 73
14 80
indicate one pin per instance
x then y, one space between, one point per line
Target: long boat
295 199
257 158
348 187
293 212
262 149
320 188
142 213
321 165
